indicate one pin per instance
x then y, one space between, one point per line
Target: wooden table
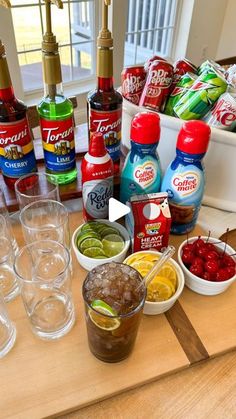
45 379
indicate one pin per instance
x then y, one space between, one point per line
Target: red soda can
157 85
223 114
149 62
182 67
132 83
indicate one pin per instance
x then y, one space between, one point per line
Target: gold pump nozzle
5 3
51 59
105 39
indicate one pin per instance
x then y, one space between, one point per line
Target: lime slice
112 245
91 225
102 317
90 242
93 252
86 235
109 230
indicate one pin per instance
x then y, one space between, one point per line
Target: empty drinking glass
7 227
45 219
45 281
34 187
7 330
8 281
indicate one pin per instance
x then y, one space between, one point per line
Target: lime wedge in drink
109 230
86 235
90 242
93 252
103 316
112 244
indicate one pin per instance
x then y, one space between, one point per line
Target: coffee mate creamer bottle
97 179
184 179
141 173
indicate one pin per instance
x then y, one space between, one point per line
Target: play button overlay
117 209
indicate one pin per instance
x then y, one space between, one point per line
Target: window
150 26
75 30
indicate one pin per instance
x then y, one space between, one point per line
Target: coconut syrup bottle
16 140
97 179
105 103
56 112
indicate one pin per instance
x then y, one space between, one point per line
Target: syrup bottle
105 103
16 140
97 179
184 180
56 112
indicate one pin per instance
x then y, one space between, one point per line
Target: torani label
16 149
58 144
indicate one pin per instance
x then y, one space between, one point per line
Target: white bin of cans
220 160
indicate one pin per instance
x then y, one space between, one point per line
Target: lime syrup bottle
56 112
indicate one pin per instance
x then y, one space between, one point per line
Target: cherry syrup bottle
104 104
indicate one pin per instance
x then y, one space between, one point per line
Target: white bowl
90 263
199 285
158 307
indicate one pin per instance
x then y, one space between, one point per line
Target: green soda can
198 100
180 89
209 66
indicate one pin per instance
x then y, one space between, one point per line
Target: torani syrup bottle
56 112
97 179
105 103
184 180
16 140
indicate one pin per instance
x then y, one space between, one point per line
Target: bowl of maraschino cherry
209 264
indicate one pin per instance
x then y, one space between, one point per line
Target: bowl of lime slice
100 241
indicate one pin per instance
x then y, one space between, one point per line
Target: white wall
206 28
226 47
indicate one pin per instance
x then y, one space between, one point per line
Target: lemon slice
143 267
112 244
106 322
90 242
94 252
169 272
160 289
135 258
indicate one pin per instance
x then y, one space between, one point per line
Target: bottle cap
194 137
145 128
97 145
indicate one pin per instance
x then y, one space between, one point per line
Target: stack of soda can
183 90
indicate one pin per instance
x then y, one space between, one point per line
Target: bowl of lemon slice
167 285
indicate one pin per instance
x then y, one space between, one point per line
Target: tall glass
113 301
8 228
34 187
7 330
45 219
43 271
9 285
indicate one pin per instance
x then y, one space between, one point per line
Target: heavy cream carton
149 221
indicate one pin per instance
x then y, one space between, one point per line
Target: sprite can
181 87
198 100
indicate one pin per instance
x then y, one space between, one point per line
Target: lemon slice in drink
90 242
112 244
160 289
102 317
94 252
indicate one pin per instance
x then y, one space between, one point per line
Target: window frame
117 23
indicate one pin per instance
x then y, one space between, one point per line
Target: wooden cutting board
43 379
